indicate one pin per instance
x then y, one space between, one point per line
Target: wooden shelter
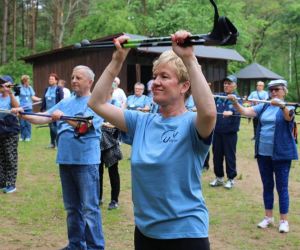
137 67
248 76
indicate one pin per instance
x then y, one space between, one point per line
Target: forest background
269 30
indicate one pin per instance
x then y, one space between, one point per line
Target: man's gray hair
88 71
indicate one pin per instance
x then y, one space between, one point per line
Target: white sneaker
229 184
219 181
266 222
284 226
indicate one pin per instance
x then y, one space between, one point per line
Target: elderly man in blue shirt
78 157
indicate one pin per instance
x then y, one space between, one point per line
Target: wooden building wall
137 67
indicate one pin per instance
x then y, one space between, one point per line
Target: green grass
34 218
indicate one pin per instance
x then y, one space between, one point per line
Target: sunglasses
6 85
275 89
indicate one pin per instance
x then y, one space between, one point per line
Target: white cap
279 82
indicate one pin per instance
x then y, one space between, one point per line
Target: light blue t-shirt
266 136
50 97
189 103
134 102
25 97
5 102
84 150
259 95
166 162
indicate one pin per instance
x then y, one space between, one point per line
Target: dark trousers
269 168
255 122
53 132
142 242
206 162
114 179
224 146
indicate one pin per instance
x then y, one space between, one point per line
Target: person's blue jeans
25 127
281 169
80 188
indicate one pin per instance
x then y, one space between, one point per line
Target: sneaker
27 139
21 139
113 205
284 226
229 184
266 222
9 189
219 181
50 146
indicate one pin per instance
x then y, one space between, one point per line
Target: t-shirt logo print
169 136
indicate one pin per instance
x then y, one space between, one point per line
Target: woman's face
166 88
5 88
277 92
26 82
52 80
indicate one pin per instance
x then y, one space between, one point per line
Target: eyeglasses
275 89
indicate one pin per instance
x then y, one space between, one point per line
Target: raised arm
13 100
98 100
203 98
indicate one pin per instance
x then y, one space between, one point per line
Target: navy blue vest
284 142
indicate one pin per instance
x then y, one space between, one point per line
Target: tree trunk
4 32
15 31
296 66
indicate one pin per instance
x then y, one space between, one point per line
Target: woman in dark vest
275 148
53 94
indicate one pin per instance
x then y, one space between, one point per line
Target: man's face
138 90
259 86
80 82
229 87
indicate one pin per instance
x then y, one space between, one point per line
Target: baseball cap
231 78
279 82
6 78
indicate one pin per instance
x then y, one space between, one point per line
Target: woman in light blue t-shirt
275 148
26 97
168 148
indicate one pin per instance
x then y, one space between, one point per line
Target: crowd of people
169 207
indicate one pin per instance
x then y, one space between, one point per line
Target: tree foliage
269 30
